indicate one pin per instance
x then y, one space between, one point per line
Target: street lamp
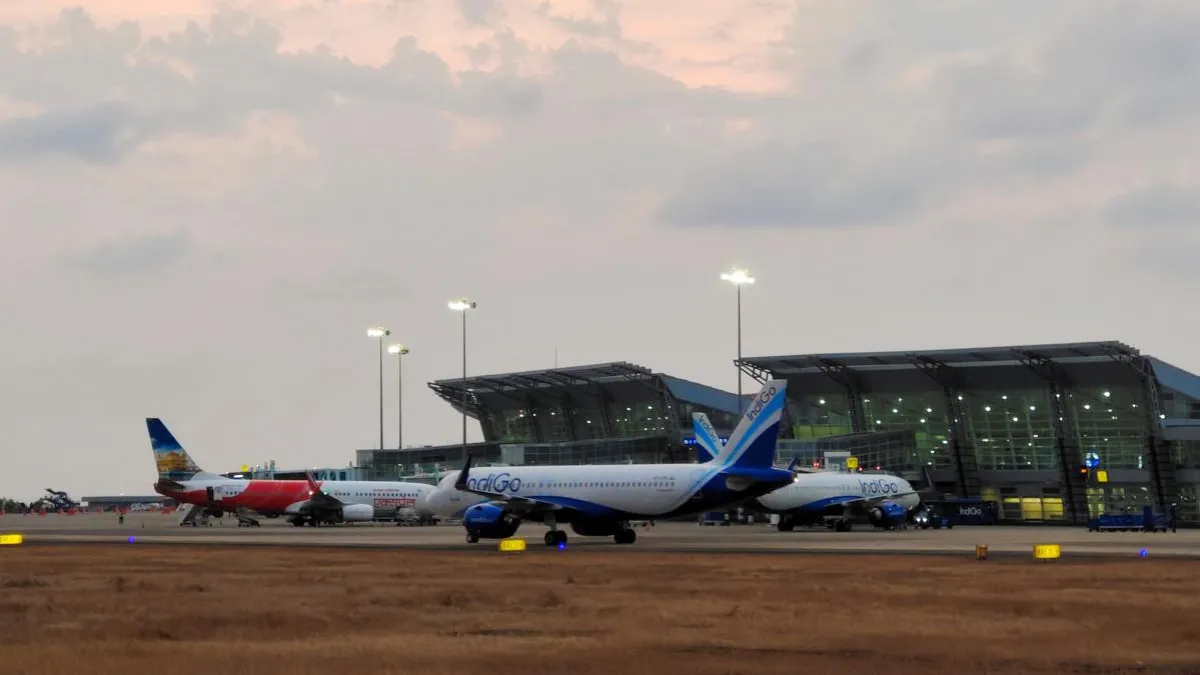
462 305
738 277
399 351
379 333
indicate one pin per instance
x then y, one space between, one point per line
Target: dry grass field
128 610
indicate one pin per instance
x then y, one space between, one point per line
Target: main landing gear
556 537
472 538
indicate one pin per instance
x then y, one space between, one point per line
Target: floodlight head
378 331
461 305
737 277
397 350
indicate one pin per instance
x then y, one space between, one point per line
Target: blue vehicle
1146 521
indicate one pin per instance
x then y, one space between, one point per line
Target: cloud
100 133
1158 205
233 191
132 254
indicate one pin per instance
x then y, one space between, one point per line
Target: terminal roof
600 374
981 356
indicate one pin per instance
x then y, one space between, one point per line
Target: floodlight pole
399 351
462 305
464 384
739 348
738 277
400 400
381 392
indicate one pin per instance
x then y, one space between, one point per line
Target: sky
205 205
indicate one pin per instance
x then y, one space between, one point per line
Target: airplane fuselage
818 492
630 491
283 497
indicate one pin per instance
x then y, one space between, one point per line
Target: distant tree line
13 506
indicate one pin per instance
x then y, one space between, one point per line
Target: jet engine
489 521
358 513
595 527
888 515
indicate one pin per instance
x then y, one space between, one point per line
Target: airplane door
208 493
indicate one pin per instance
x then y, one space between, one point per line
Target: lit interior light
987 408
1107 394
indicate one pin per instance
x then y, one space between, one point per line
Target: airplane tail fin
174 463
708 443
752 443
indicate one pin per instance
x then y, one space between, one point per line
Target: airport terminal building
1047 432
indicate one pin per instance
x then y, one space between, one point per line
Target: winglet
461 482
792 465
313 488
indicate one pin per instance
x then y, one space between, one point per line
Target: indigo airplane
599 501
816 496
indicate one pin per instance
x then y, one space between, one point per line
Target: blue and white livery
817 496
599 501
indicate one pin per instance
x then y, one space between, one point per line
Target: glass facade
638 450
1009 429
550 422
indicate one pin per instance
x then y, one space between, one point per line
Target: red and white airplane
301 501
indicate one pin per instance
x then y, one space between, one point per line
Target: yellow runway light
11 539
512 544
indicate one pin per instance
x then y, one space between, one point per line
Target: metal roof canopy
602 373
520 384
984 356
1085 363
614 376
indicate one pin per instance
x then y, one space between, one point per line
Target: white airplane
599 501
302 501
816 496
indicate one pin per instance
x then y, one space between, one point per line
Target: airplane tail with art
174 464
752 443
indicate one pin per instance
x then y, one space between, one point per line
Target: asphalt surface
158 528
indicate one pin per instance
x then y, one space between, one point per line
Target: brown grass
198 611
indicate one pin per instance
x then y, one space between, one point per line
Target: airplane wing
522 506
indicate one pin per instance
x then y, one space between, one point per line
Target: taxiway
157 528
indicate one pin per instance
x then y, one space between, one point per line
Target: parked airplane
302 501
599 501
55 501
816 496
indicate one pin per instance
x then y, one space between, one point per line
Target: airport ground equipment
1146 521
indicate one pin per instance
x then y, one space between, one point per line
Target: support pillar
962 450
1066 438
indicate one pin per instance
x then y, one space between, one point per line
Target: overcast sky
206 204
